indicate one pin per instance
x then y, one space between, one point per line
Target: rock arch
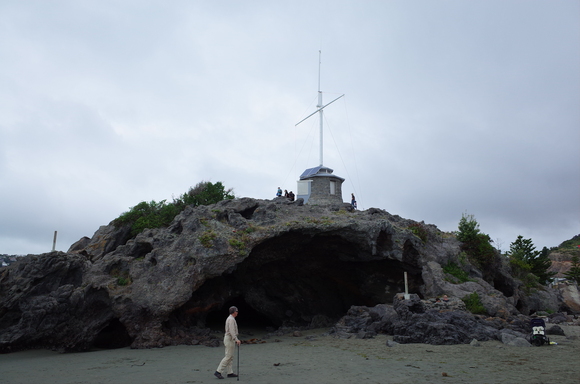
297 277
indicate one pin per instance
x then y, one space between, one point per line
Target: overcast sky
449 107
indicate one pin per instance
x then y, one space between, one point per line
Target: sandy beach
310 358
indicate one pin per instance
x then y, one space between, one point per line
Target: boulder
475 343
411 321
45 304
493 300
570 297
558 318
106 239
555 330
546 299
514 340
438 327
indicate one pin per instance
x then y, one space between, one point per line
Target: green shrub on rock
473 304
477 246
420 231
160 214
207 238
574 272
455 270
526 260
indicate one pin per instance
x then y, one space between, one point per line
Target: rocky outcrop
45 304
494 301
282 263
417 321
106 239
569 297
561 263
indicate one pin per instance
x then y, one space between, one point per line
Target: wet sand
310 358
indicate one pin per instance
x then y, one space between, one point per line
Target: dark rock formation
418 321
555 330
568 297
282 263
106 239
45 304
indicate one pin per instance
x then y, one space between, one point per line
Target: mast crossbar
318 110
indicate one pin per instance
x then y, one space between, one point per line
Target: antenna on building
319 109
318 185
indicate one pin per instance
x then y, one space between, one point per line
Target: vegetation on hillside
477 245
473 304
574 272
160 214
528 264
457 273
420 231
569 246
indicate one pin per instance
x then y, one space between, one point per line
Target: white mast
319 106
319 109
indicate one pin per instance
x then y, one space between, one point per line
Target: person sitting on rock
279 192
291 195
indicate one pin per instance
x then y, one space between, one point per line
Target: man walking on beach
230 341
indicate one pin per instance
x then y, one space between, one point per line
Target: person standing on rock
230 341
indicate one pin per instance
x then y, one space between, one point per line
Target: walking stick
238 362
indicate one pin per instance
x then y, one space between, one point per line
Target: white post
407 296
54 241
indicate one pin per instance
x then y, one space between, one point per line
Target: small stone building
318 186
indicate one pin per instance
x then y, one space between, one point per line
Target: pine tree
540 266
526 259
574 272
468 228
477 245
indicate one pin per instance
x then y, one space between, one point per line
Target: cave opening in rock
520 306
248 212
141 249
113 336
248 316
296 278
503 286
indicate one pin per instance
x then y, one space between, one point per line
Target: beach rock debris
412 320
